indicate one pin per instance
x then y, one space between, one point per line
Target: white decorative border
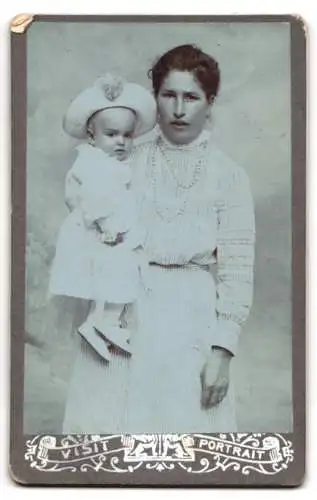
264 453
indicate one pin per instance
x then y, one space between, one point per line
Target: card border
20 469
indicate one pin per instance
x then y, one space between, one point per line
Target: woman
196 207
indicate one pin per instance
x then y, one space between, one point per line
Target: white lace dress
83 266
197 209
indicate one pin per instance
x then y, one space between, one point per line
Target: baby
99 249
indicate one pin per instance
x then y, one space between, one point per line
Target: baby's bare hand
112 241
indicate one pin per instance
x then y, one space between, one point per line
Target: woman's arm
235 256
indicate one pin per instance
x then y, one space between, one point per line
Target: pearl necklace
185 163
166 214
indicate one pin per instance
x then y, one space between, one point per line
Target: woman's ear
208 112
209 120
211 100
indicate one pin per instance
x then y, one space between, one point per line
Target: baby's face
113 131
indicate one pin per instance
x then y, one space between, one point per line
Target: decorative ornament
111 85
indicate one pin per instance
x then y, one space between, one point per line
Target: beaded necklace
185 161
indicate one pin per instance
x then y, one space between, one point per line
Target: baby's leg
109 325
112 314
90 335
98 310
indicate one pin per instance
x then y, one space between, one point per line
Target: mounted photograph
159 246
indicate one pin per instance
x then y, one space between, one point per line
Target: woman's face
182 106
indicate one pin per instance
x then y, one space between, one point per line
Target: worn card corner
21 23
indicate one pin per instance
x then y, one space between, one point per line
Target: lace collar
200 142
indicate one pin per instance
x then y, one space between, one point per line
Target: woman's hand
214 377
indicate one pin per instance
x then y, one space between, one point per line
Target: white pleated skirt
158 389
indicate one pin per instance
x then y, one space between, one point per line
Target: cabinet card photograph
158 250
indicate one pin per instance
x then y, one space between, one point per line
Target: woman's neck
202 138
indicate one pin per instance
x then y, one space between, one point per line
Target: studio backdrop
251 123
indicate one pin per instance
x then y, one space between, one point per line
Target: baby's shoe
89 334
117 336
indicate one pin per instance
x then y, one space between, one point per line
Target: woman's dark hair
187 58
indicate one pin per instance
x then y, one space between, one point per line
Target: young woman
196 207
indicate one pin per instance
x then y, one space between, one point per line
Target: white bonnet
110 91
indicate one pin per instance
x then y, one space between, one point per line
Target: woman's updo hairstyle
187 58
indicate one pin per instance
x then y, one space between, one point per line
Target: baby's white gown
83 266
